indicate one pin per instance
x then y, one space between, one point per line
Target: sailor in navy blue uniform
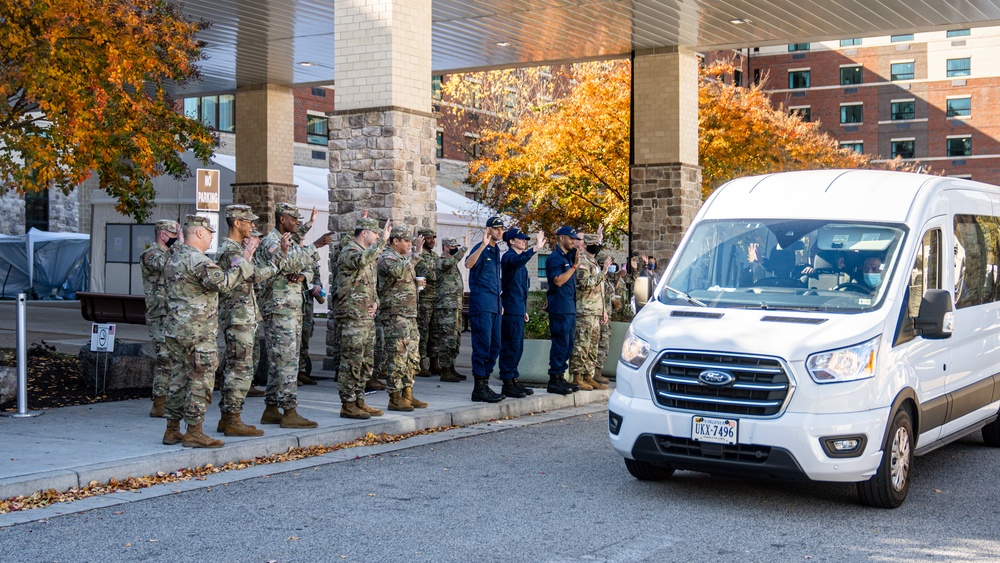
560 270
514 284
483 263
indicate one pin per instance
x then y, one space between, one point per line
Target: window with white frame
959 145
959 107
851 113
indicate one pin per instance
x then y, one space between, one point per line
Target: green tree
84 83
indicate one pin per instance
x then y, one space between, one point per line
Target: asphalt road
549 492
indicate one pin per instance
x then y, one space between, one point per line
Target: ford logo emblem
715 378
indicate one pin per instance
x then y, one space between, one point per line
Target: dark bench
112 307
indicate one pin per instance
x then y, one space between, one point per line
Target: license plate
717 430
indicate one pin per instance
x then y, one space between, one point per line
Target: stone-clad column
666 178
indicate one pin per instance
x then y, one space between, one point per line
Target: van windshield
782 264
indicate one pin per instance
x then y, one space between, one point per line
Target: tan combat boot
173 434
398 403
195 438
448 375
579 382
593 383
600 378
232 425
370 410
271 415
350 409
424 372
416 403
292 419
373 384
159 409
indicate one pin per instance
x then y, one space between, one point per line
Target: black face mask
453 251
651 266
594 248
170 242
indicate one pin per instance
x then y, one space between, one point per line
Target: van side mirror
935 319
642 290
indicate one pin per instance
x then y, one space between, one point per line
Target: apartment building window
798 47
476 93
850 42
903 109
317 132
439 140
902 148
473 146
901 71
737 78
959 67
856 146
804 112
959 146
510 102
216 112
798 79
851 113
436 87
959 107
898 38
850 75
319 92
958 33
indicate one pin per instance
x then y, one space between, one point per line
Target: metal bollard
22 361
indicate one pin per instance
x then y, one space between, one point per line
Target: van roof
861 195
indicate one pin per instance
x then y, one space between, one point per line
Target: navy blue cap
494 222
568 231
513 233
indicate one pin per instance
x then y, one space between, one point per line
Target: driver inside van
871 275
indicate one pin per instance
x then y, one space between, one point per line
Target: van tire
991 434
645 471
888 487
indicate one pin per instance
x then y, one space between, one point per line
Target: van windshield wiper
686 297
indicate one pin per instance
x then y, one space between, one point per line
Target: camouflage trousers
426 328
192 377
238 370
381 367
308 326
448 335
161 367
282 333
402 352
605 343
333 344
357 346
586 338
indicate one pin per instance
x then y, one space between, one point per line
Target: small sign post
102 338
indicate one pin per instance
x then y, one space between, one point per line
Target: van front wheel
888 487
645 471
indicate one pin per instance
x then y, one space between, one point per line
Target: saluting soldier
427 268
152 262
590 313
609 298
448 310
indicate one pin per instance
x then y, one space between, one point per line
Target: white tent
48 263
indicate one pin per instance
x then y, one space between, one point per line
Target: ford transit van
823 325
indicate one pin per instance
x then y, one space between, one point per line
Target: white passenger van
824 325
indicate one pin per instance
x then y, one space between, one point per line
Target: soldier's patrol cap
591 238
427 233
367 223
167 225
401 233
284 208
244 212
494 222
198 221
568 231
450 242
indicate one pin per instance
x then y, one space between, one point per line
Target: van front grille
758 386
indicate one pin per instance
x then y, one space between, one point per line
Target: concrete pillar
666 178
265 149
382 131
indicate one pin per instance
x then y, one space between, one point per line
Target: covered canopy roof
264 41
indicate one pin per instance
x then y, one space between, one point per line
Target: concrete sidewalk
72 446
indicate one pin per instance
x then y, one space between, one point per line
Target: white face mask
612 269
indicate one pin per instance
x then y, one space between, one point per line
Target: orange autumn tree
84 83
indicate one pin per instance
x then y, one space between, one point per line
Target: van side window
926 271
976 240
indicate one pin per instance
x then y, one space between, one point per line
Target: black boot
510 389
525 390
482 393
558 386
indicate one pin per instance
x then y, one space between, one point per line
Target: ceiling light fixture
306 63
740 21
503 44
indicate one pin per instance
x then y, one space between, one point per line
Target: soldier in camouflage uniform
333 328
152 262
357 303
193 285
397 295
309 293
280 300
605 340
448 309
238 317
590 313
426 269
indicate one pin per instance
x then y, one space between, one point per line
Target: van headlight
634 350
846 364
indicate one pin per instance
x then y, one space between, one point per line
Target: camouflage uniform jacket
450 285
589 287
277 295
426 269
335 250
152 262
397 285
239 307
357 279
193 286
609 292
